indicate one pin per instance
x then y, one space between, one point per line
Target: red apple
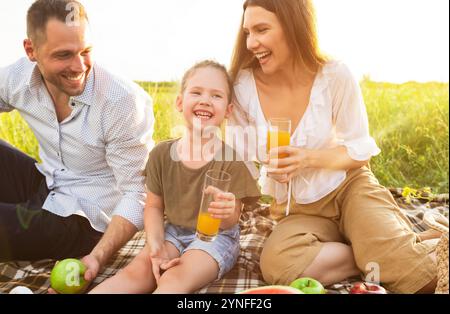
367 288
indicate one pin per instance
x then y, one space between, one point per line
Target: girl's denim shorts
224 249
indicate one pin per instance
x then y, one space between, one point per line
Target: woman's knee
282 263
270 264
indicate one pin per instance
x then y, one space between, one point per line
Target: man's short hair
41 11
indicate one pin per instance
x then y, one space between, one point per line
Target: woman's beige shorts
361 213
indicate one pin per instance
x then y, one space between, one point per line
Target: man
94 130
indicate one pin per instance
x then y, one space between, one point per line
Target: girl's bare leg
196 270
136 277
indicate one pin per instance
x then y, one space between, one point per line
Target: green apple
308 286
67 277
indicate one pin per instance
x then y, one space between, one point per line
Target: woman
342 222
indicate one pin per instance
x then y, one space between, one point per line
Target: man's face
64 57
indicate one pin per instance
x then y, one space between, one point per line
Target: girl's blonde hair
208 64
298 19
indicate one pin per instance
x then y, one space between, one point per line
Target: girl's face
266 39
205 99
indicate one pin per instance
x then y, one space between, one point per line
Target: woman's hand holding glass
284 169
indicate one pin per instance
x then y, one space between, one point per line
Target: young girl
174 260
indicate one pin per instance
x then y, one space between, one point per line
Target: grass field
408 121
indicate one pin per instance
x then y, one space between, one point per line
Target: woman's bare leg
429 234
334 263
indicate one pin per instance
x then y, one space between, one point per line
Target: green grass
408 121
15 131
166 116
410 124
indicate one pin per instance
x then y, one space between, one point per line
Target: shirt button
63 169
73 104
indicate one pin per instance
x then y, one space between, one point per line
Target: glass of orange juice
279 134
216 181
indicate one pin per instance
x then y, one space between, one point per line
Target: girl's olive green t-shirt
181 187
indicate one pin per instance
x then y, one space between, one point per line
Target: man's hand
118 233
93 267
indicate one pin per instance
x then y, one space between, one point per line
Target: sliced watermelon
271 290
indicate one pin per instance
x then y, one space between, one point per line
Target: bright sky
390 40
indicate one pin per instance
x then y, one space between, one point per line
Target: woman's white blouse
336 116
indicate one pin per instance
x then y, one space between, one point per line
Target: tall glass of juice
279 135
216 181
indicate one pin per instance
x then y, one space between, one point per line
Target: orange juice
278 139
207 225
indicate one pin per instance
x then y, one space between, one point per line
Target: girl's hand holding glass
215 191
223 206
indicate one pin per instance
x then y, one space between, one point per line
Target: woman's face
266 39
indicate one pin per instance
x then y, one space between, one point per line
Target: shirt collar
35 78
87 97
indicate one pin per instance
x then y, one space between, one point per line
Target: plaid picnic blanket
256 225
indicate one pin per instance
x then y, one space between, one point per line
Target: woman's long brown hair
298 19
